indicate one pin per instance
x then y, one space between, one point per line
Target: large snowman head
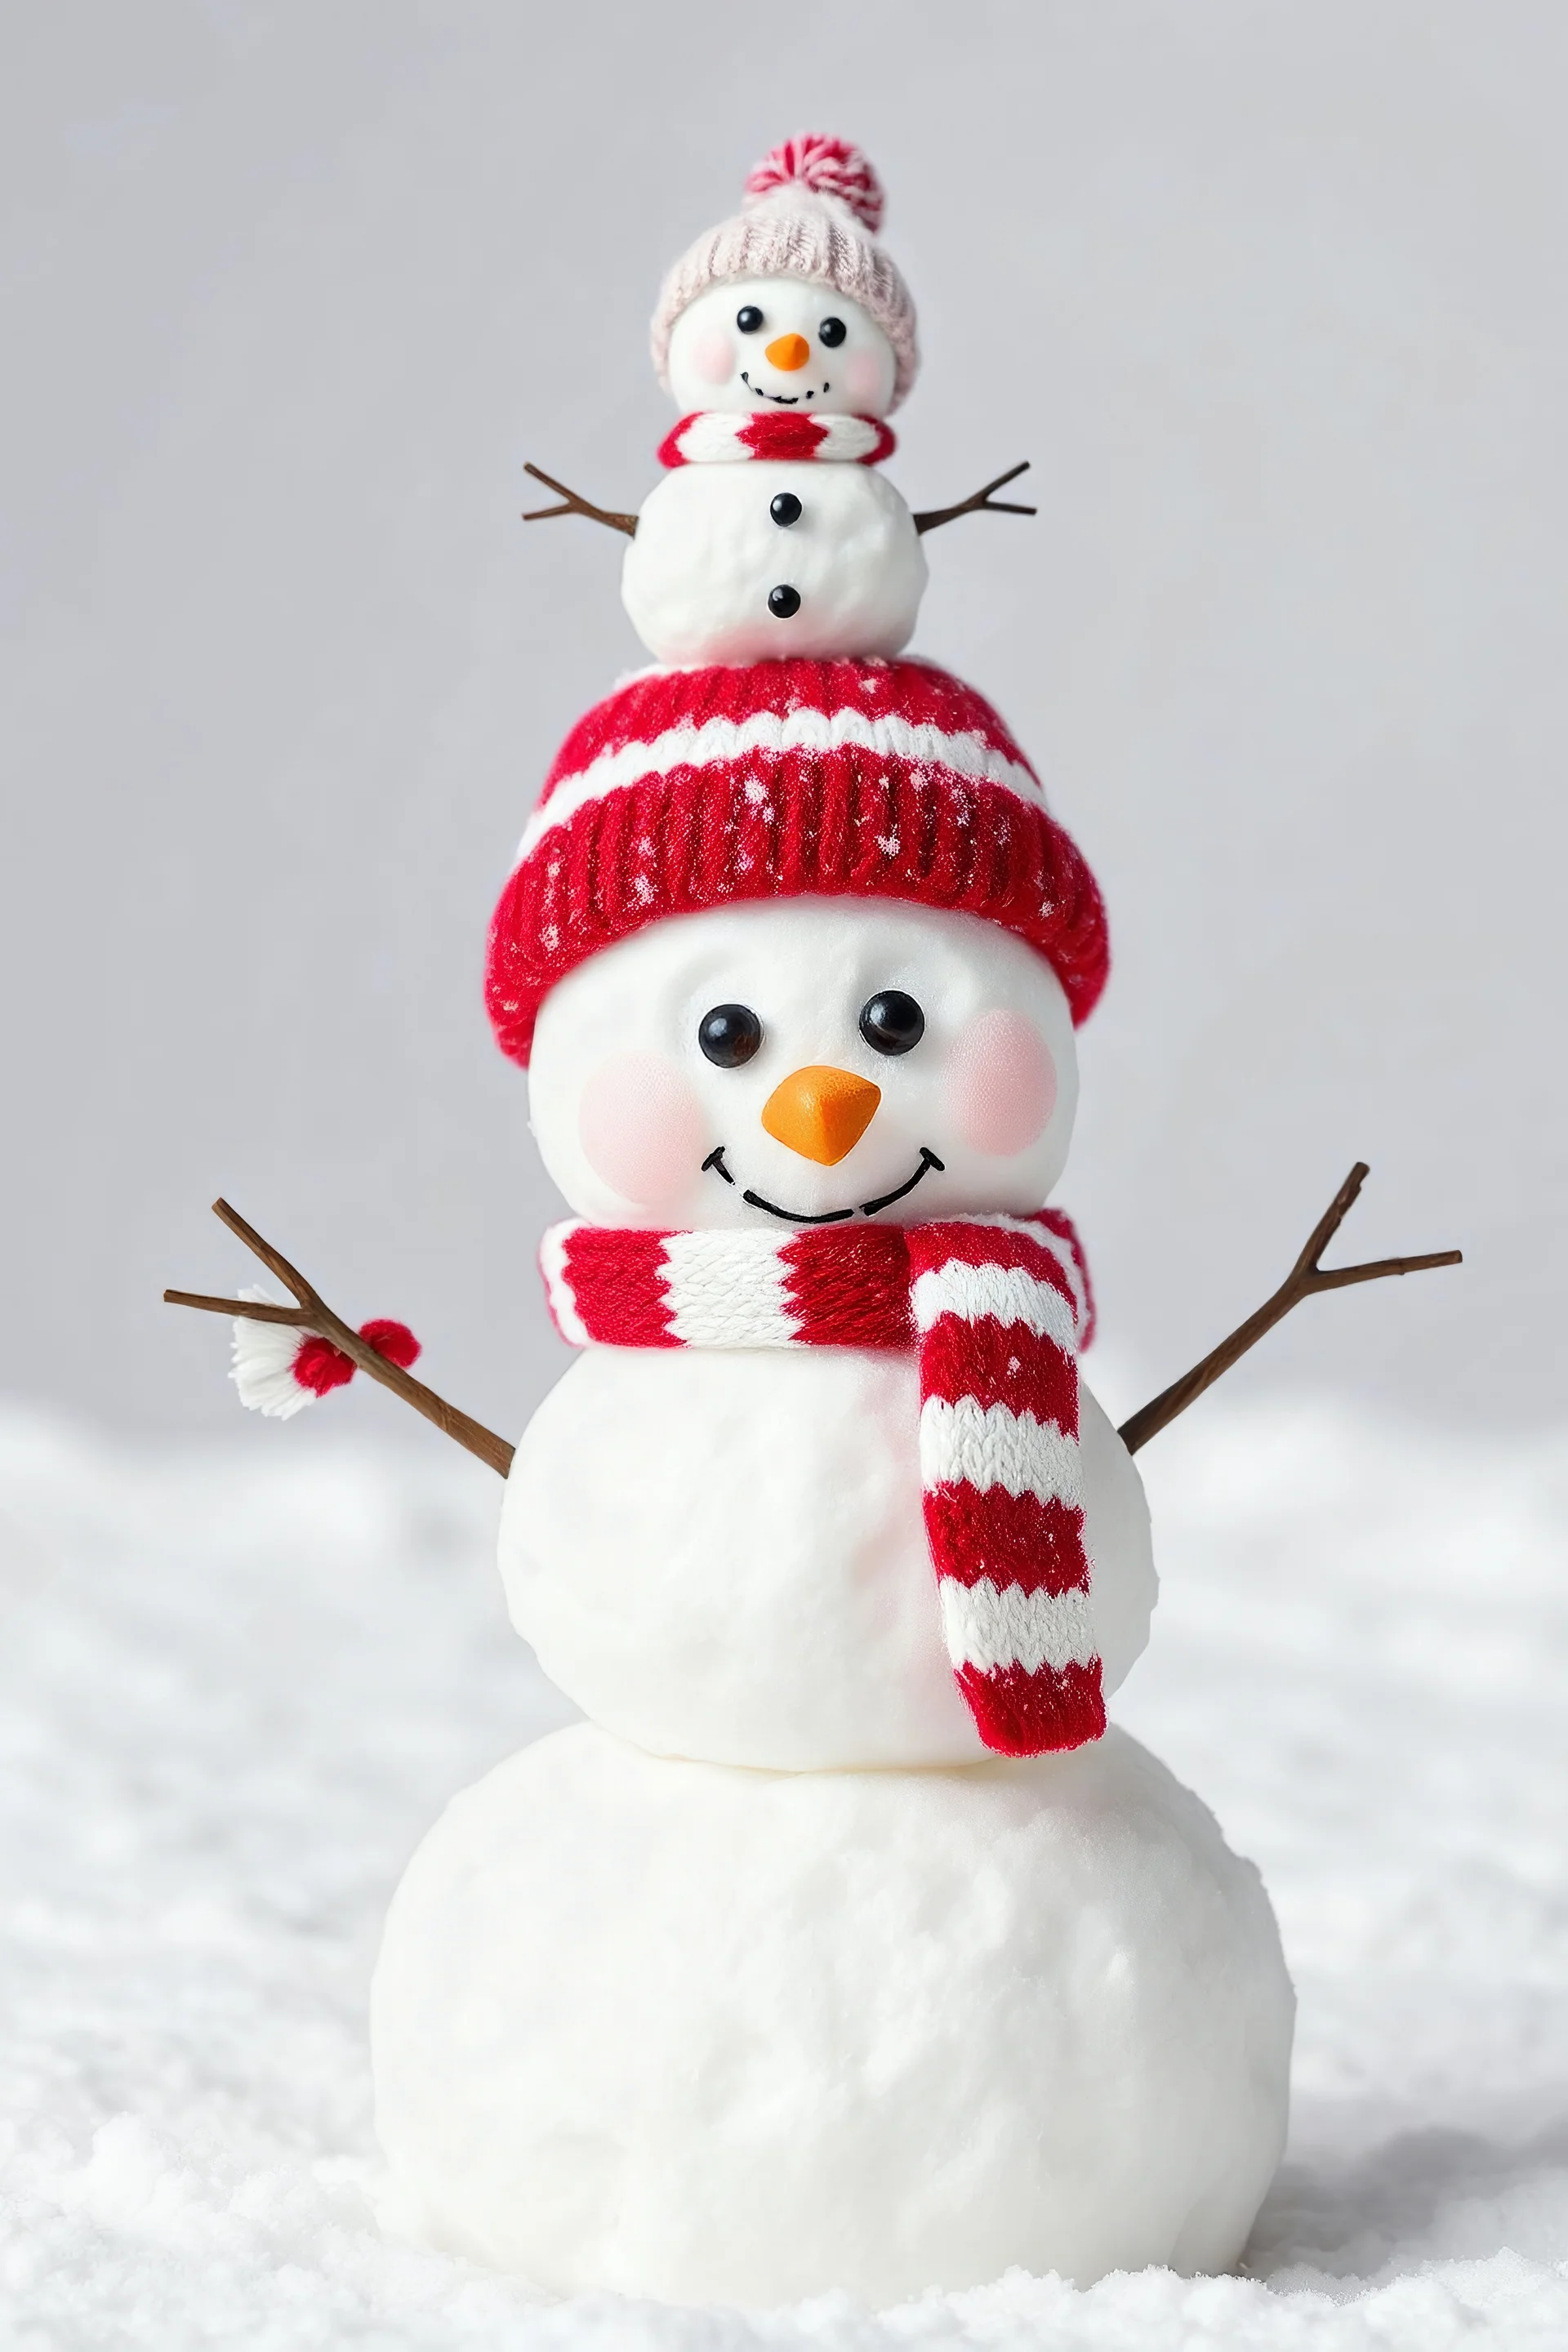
813 1062
782 343
791 306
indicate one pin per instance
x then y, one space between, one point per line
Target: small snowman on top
787 336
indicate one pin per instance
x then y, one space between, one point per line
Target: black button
783 602
748 318
786 508
832 333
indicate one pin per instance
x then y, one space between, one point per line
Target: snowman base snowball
704 2034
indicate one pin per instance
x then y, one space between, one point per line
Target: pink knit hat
693 788
811 209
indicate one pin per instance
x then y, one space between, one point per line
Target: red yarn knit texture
692 789
320 1367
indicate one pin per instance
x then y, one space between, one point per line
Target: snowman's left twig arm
312 1315
981 502
1305 1279
575 505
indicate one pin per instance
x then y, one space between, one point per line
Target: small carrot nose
821 1113
788 351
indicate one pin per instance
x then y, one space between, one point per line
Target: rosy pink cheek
641 1127
713 356
864 378
1001 1084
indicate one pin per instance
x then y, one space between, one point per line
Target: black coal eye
729 1034
748 318
783 602
785 508
832 333
892 1021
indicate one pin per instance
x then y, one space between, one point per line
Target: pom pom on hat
811 209
829 167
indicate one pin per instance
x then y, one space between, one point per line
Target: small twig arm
316 1320
1305 1279
979 502
572 504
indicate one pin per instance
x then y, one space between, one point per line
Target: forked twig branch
981 502
312 1314
1305 1279
575 505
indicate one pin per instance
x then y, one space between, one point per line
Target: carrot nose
821 1113
788 351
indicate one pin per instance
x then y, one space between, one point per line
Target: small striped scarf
719 436
996 1308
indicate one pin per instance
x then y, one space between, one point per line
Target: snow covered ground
239 1683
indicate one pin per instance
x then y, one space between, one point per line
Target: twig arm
979 502
259 1310
312 1314
1305 1279
574 504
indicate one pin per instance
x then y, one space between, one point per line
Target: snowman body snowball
740 562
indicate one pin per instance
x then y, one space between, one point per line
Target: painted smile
715 1161
786 400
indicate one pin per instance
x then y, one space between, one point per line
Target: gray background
1272 296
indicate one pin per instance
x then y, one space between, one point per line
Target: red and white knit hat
687 789
811 209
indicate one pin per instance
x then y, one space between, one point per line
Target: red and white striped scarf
997 1308
718 437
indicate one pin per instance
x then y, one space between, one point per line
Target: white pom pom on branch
265 1355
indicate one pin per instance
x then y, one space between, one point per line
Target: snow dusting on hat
811 209
687 789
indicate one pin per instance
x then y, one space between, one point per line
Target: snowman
787 337
843 1944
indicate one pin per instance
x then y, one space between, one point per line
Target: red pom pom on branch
320 1367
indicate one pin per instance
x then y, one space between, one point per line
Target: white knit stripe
724 743
714 437
969 1443
850 438
1005 1292
1071 1270
558 1288
989 1628
726 1290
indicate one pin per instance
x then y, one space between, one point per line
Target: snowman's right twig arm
574 505
1305 1279
313 1315
981 502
